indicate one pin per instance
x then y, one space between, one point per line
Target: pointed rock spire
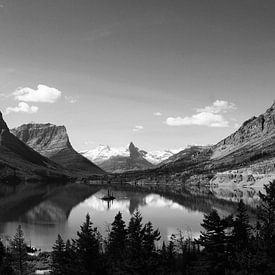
3 125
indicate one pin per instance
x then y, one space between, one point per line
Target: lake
45 211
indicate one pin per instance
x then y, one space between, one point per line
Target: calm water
46 211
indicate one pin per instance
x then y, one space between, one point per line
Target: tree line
227 245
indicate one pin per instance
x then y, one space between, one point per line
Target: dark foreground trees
18 250
227 245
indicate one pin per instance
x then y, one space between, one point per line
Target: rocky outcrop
16 158
134 161
253 142
53 142
187 158
256 137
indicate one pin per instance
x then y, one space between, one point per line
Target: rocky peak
53 142
134 151
3 125
256 130
46 139
4 130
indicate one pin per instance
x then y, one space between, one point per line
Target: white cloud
22 107
202 119
157 114
219 106
138 128
211 116
72 99
43 94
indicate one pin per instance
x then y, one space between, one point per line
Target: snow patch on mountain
104 152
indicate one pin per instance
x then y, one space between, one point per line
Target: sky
160 73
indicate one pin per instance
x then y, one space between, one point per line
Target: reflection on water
234 193
47 211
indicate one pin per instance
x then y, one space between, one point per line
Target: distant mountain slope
119 159
253 141
188 157
53 142
17 157
104 152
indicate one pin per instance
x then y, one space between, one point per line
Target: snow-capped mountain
156 157
104 152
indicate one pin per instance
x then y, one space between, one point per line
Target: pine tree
241 228
88 247
19 251
171 253
135 235
117 238
71 258
2 253
149 239
134 253
58 256
5 261
266 225
214 241
266 216
149 255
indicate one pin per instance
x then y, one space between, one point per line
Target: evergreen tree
149 239
266 225
58 256
88 248
117 238
149 254
135 236
214 241
71 257
266 217
5 261
2 253
241 228
171 253
19 251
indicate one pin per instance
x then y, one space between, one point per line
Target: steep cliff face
47 139
53 142
134 161
255 136
16 155
14 145
253 142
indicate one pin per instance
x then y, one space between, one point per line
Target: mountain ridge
119 159
104 152
17 160
255 139
53 142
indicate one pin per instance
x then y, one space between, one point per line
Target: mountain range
103 155
253 141
44 150
120 160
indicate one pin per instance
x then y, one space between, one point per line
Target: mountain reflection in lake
45 211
